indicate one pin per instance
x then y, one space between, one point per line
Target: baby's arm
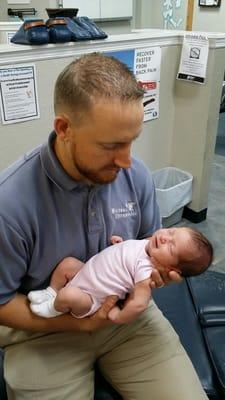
136 303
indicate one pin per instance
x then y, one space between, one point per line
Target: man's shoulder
138 164
140 173
19 168
18 182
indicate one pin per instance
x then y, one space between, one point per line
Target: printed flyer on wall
18 94
145 63
194 58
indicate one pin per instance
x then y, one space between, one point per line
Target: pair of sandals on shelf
57 30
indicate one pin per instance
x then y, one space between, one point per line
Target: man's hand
135 304
100 319
161 277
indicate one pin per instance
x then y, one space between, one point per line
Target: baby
120 269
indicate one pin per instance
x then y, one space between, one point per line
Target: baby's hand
116 239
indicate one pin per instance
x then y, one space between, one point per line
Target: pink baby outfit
114 271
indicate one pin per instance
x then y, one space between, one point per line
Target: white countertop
14 53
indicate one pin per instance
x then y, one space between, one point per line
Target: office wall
155 144
188 113
39 5
147 14
152 14
209 19
111 27
197 110
20 137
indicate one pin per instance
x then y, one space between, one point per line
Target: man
67 198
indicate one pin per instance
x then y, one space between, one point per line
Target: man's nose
123 158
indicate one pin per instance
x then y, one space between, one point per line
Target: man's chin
103 179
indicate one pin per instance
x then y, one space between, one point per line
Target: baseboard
194 216
220 140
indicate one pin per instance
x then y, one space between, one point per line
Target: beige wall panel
197 111
21 137
183 135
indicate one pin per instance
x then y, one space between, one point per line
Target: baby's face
167 246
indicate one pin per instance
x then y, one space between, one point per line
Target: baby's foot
40 296
46 309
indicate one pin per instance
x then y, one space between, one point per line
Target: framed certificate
209 3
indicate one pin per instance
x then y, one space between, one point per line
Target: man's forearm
17 314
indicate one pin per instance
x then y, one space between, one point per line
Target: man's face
169 246
100 146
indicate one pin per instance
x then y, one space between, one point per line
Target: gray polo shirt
45 216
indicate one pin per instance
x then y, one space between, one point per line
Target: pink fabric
114 270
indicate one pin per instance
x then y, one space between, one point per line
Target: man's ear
62 126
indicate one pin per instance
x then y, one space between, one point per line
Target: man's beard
96 177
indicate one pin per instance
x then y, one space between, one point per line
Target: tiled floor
214 225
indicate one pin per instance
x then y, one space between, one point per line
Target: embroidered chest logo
124 212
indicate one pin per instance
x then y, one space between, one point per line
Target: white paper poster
9 36
194 58
18 1
147 62
18 94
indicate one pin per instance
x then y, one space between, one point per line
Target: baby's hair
203 258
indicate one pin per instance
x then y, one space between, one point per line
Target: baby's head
181 249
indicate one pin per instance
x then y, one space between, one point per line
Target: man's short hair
94 76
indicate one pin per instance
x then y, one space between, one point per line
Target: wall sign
209 3
194 58
145 63
18 93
